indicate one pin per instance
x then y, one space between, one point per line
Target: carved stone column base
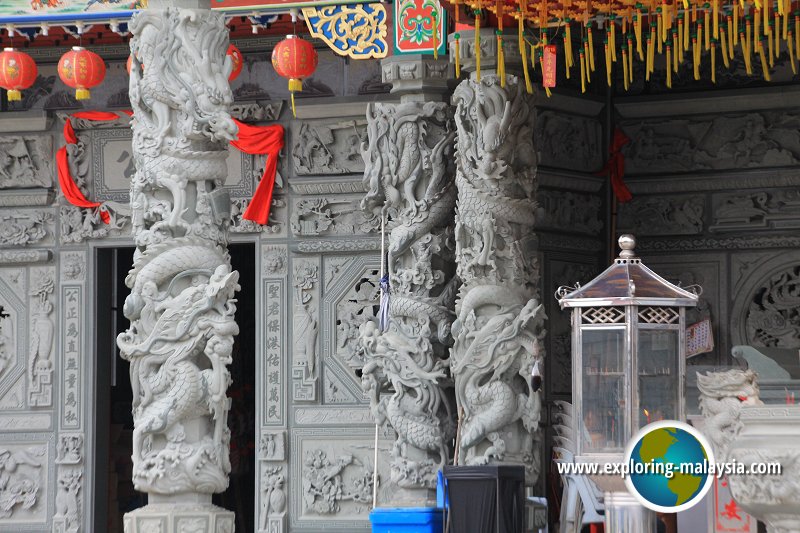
179 518
624 514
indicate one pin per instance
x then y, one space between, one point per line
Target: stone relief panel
25 473
272 446
273 498
766 306
748 140
305 329
758 210
334 470
73 266
13 340
569 141
26 161
78 225
40 355
340 215
328 147
275 303
25 227
568 211
69 489
662 215
72 347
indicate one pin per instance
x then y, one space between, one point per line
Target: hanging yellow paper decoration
457 38
478 44
677 30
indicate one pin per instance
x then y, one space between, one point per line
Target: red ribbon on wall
253 140
68 186
261 140
615 167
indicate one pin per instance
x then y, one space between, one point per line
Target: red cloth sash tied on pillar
615 167
65 180
261 140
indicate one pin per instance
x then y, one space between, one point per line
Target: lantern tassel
435 35
735 18
686 24
583 70
764 66
15 96
630 58
82 94
613 39
638 32
591 46
523 50
785 19
771 50
714 61
746 54
659 29
696 57
457 53
669 67
715 14
608 62
730 42
477 45
674 50
679 42
625 66
791 54
725 47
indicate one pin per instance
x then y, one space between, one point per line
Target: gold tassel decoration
707 26
608 61
612 43
785 16
624 48
630 57
735 18
457 38
715 14
725 48
791 53
679 41
757 23
765 18
695 57
582 55
478 45
637 28
749 42
764 66
501 59
730 36
746 54
570 58
796 34
714 61
650 54
523 50
659 29
686 24
435 36
586 53
591 46
771 46
777 31
675 54
669 70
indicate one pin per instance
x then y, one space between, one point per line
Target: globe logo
669 466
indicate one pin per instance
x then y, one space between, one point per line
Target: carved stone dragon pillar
181 305
499 320
409 175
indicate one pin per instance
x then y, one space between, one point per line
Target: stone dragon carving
181 305
722 395
409 176
499 322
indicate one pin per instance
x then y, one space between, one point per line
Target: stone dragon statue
500 322
722 395
409 176
181 306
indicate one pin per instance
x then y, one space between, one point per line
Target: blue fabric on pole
383 314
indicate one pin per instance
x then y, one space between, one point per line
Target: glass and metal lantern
628 352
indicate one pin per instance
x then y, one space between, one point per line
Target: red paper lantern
296 59
236 60
81 69
17 71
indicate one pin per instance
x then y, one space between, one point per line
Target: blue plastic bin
406 520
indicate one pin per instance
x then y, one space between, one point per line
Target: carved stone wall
716 185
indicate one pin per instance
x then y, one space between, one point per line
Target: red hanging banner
549 66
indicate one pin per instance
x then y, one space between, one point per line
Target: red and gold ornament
294 58
81 69
17 72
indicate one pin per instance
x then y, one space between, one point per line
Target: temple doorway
114 494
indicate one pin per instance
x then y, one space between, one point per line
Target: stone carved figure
19 229
40 363
68 502
409 177
722 395
19 479
181 305
499 325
